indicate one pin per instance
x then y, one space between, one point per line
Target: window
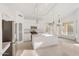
68 28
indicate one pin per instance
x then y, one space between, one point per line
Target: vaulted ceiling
43 10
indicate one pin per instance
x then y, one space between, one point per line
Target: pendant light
36 13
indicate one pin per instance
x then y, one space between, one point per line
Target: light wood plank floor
65 48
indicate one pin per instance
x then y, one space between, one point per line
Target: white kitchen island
43 40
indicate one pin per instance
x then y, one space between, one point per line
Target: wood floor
65 48
23 46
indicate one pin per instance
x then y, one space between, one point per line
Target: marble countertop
5 46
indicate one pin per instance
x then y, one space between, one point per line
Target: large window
68 28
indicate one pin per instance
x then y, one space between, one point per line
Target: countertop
5 46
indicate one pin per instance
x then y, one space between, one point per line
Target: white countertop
44 40
5 46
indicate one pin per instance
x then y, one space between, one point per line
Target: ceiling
43 10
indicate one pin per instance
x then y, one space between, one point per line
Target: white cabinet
27 36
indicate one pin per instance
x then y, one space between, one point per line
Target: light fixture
36 13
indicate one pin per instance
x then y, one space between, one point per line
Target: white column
0 37
77 35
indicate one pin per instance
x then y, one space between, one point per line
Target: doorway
7 36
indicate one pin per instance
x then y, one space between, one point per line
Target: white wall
27 23
2 8
0 36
